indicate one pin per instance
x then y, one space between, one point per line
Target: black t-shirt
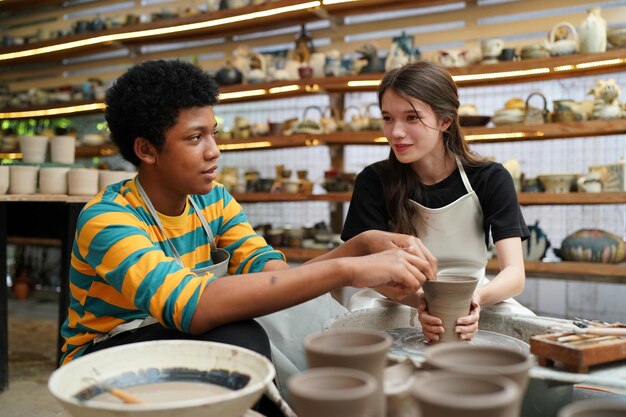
491 182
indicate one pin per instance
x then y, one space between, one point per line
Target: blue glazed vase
592 245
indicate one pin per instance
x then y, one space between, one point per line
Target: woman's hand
467 326
432 327
400 270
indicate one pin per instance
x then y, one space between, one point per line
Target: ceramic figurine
592 245
332 67
458 58
606 105
228 75
592 32
373 63
400 53
563 39
304 46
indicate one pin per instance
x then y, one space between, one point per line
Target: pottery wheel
410 342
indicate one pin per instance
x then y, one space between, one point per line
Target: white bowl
557 183
130 366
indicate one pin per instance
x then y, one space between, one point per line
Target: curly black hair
147 99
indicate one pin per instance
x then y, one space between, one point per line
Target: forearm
240 297
508 283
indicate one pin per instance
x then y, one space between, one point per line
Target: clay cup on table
483 361
354 348
449 298
444 394
332 392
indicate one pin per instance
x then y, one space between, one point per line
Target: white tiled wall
558 298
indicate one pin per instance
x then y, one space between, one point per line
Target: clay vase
596 408
483 361
22 285
448 298
332 392
354 348
443 394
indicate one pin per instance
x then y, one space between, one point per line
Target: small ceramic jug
592 32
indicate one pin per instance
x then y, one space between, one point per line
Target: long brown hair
431 84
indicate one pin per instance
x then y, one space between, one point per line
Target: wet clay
449 298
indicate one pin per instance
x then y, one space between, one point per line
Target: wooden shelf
535 199
574 271
282 197
82 151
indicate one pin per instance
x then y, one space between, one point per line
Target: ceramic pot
82 181
332 392
4 179
63 149
592 32
484 361
594 408
449 298
53 180
22 285
592 245
33 148
442 394
354 348
107 177
23 179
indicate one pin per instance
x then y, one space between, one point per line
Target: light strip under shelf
53 111
103 39
247 145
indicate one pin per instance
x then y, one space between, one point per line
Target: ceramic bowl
617 37
474 120
557 183
228 380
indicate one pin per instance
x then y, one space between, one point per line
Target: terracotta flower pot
443 394
332 392
354 348
449 298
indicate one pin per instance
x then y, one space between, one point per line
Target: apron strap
468 186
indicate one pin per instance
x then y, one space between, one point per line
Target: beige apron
219 268
454 234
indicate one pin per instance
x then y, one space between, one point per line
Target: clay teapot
563 39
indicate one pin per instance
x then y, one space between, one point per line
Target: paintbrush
118 393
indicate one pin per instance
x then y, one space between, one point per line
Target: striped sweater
122 267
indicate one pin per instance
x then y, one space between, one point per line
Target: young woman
433 187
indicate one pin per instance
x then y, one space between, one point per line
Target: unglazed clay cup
63 149
483 361
354 348
53 180
332 392
595 408
4 179
82 181
33 148
444 394
448 298
107 177
23 179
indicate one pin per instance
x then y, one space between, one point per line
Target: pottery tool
579 348
118 393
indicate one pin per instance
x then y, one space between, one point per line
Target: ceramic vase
594 408
593 245
332 392
354 348
484 361
23 179
63 149
4 179
53 180
448 298
33 149
442 394
592 32
82 181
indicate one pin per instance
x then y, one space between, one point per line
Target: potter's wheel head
409 342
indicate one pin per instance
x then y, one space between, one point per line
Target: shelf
221 23
571 271
282 197
82 151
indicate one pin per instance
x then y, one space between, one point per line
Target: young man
146 259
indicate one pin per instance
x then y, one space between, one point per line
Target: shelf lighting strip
158 31
52 112
247 145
